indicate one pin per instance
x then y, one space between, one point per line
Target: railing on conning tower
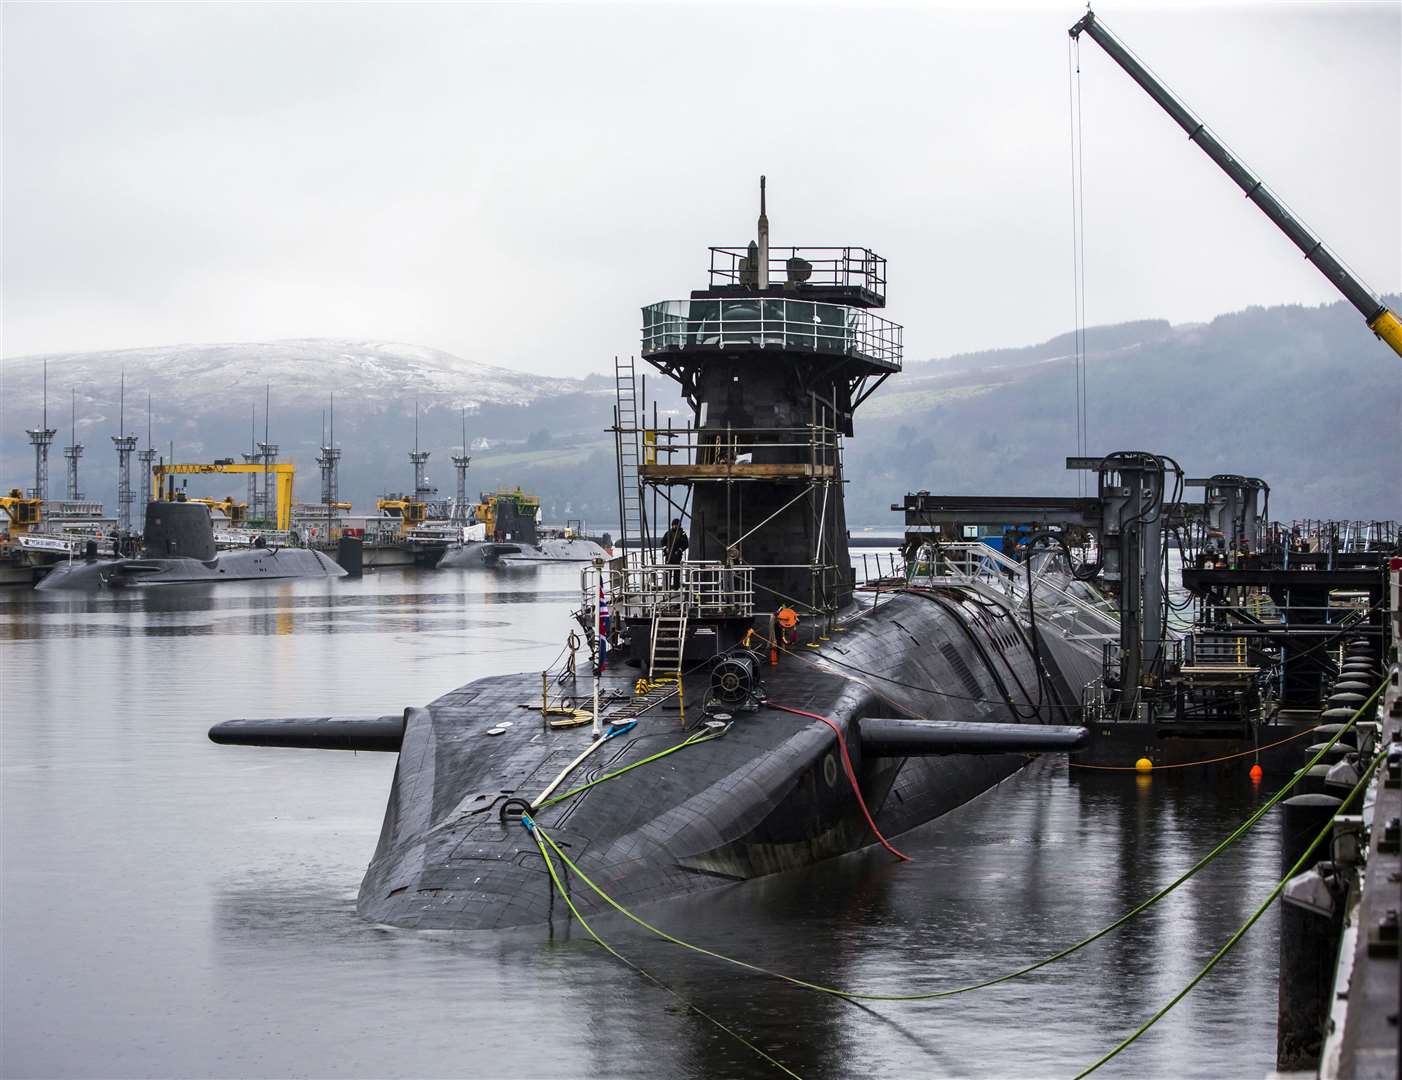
638 588
729 453
819 267
764 323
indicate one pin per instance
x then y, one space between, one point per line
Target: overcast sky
511 183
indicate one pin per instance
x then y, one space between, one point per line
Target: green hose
932 995
1241 932
534 830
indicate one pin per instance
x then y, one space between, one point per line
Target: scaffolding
807 461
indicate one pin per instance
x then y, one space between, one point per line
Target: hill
1301 396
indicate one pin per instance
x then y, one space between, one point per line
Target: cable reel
735 681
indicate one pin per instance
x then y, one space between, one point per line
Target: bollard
1333 754
1312 783
1309 940
1324 732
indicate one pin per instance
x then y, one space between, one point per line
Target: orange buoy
1257 772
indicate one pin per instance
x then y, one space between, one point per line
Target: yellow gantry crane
1380 319
285 472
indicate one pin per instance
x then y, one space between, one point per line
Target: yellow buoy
1143 765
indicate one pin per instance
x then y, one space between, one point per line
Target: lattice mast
251 458
147 457
328 460
419 459
41 438
267 457
125 446
74 450
460 463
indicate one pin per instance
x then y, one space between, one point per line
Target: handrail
762 322
986 565
823 266
638 588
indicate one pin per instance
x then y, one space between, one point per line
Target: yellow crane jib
284 471
1380 319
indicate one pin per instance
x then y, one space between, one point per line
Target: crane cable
1078 250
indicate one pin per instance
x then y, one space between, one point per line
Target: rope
691 740
564 895
1204 761
1241 931
1236 835
851 773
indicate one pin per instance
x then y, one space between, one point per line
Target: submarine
180 550
512 538
750 710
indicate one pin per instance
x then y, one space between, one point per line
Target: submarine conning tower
773 357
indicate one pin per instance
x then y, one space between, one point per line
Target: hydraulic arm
1380 319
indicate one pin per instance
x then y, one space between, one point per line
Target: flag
603 628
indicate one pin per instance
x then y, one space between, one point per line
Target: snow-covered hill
190 379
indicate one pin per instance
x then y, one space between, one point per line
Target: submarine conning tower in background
773 357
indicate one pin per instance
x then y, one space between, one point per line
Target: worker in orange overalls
783 630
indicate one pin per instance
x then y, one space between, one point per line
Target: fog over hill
1304 397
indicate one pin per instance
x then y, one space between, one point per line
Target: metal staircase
668 636
630 495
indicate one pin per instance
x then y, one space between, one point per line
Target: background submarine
721 766
180 550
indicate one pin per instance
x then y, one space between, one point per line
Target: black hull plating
771 795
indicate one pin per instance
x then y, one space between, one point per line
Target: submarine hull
258 564
769 795
475 554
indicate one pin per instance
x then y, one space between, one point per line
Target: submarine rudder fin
370 733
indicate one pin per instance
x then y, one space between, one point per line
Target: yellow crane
285 472
23 514
1380 319
410 512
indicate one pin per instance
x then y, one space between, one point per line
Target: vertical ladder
668 636
629 453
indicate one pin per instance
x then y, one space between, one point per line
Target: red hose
851 773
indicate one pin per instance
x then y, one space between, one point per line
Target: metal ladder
629 452
668 636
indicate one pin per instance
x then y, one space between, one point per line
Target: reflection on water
173 908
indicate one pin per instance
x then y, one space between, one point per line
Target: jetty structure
744 709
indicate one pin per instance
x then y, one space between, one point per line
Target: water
175 908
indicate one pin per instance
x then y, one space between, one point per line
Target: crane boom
1381 320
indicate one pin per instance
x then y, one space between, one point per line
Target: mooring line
1204 761
1241 931
532 828
539 833
695 739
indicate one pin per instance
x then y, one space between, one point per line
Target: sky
511 183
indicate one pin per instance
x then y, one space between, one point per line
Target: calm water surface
175 908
